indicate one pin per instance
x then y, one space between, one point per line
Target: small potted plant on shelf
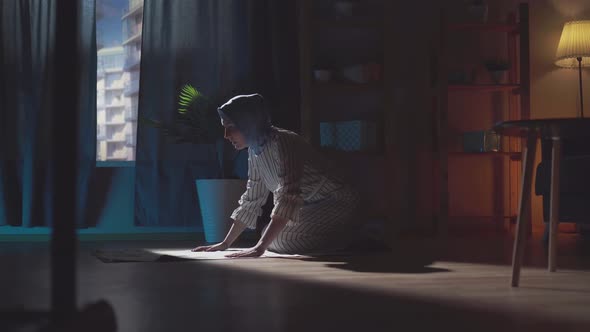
197 122
497 69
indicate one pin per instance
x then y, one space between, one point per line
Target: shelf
511 155
368 116
335 152
456 217
344 85
504 167
484 87
347 23
493 27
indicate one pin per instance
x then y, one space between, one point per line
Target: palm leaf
195 122
188 97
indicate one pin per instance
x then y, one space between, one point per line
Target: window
118 38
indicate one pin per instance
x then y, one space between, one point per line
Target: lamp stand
581 91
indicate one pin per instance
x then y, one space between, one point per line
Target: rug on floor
168 255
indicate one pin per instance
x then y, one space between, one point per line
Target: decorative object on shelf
573 50
457 77
322 75
497 69
349 135
478 10
461 76
363 73
481 141
344 8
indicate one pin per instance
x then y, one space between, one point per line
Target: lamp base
581 90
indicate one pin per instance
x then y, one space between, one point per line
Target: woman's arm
275 226
234 232
288 201
247 213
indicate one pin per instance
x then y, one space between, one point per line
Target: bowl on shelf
362 73
322 75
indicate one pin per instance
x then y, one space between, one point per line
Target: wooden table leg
523 207
554 209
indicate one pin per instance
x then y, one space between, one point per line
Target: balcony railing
132 60
117 120
129 139
131 87
134 6
134 30
116 138
115 104
100 132
130 114
116 85
117 155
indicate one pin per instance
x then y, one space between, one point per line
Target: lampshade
574 43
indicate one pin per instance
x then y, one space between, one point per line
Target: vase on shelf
478 11
498 76
497 69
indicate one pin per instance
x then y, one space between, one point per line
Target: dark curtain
28 115
223 48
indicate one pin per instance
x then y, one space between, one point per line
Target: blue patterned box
348 135
481 141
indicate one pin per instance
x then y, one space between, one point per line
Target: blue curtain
27 115
222 47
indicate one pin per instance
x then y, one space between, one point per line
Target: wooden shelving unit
312 22
485 87
518 93
319 99
497 27
353 22
512 155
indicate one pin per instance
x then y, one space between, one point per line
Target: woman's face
236 138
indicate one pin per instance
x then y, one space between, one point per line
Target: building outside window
118 32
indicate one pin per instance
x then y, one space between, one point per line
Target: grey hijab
248 113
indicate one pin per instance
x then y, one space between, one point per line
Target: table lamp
574 50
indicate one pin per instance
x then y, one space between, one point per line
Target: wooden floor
461 285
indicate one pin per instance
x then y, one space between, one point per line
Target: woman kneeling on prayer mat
314 210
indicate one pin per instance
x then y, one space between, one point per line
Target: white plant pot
218 198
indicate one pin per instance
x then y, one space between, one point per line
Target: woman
314 211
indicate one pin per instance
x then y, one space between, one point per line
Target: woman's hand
252 252
215 247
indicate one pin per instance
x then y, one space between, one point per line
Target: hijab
248 113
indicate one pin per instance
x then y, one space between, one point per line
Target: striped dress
322 211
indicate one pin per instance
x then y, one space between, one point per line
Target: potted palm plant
497 69
197 122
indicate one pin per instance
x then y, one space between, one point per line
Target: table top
556 127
